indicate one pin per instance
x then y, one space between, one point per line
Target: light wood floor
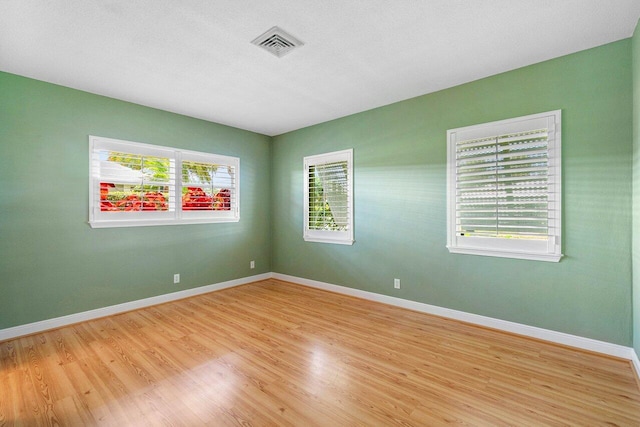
274 353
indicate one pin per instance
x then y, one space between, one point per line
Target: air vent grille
277 41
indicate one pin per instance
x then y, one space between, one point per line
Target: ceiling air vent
277 41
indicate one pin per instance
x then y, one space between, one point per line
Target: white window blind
328 197
504 188
328 184
208 186
135 184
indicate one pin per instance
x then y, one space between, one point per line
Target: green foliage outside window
320 215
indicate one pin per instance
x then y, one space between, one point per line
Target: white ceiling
194 57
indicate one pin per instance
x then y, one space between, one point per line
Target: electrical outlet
252 264
176 278
396 283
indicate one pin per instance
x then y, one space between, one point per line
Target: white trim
549 249
175 213
635 362
168 221
505 254
489 322
575 341
58 322
329 236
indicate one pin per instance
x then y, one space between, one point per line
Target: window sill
151 222
507 254
328 240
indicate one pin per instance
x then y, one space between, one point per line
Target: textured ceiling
195 57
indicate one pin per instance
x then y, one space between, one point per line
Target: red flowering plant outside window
123 202
203 186
196 199
140 184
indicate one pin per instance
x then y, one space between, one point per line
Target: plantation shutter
502 187
129 183
208 186
331 181
134 184
328 197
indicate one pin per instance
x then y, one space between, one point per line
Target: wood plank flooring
275 353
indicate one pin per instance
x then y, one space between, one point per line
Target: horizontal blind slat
328 196
501 185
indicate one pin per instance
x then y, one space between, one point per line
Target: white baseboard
58 322
516 328
489 322
636 363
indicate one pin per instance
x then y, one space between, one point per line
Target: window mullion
177 187
495 186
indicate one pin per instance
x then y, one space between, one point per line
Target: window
504 188
328 198
135 184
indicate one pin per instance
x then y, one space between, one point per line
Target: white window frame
174 215
330 236
548 249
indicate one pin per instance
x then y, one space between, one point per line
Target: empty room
297 213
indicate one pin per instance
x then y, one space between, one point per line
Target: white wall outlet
252 264
176 278
396 283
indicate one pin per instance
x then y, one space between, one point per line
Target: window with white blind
328 198
504 188
134 184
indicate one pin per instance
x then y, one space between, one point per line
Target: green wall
52 263
636 188
400 198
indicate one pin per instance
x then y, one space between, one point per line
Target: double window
135 184
328 198
504 188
